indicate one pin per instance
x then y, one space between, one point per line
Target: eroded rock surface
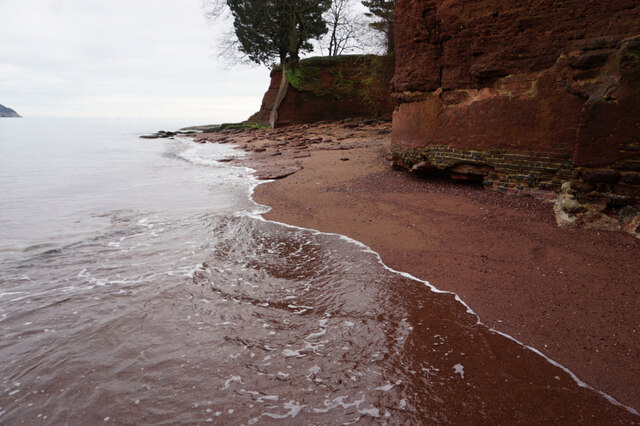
331 88
529 95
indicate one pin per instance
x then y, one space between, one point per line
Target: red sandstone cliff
331 88
525 96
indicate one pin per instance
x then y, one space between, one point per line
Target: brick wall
538 174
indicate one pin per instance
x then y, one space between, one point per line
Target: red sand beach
573 294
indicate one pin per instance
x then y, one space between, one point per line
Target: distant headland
7 112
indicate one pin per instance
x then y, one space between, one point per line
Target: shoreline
503 255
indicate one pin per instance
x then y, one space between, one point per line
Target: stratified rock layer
331 88
524 96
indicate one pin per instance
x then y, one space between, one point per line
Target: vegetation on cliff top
282 29
362 77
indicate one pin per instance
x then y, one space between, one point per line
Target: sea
139 284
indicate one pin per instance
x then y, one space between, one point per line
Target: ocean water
138 284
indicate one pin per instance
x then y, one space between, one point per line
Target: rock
627 165
631 178
301 155
582 187
8 112
471 169
159 134
628 213
626 191
590 59
421 166
569 204
600 176
277 172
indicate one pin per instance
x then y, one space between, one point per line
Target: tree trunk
282 92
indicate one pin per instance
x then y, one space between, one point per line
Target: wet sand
573 294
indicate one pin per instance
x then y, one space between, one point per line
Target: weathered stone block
582 187
631 178
600 176
590 59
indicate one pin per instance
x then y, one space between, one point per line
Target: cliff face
524 96
331 88
7 112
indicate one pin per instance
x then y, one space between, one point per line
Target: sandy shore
573 294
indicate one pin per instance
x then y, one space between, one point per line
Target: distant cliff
331 88
7 112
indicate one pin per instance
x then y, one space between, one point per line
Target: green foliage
385 13
242 126
342 87
269 29
305 77
352 77
371 78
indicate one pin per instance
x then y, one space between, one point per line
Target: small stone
423 165
628 213
570 204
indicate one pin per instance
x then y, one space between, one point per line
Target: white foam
210 155
294 408
434 289
10 293
459 369
373 412
291 353
339 402
230 380
315 369
259 210
386 387
317 334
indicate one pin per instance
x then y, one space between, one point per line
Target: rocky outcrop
524 96
7 112
330 88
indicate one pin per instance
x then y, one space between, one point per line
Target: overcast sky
120 58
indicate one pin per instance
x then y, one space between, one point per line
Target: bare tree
347 29
215 9
228 45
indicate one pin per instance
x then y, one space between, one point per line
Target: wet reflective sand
273 324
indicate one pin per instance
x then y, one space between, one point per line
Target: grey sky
120 58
